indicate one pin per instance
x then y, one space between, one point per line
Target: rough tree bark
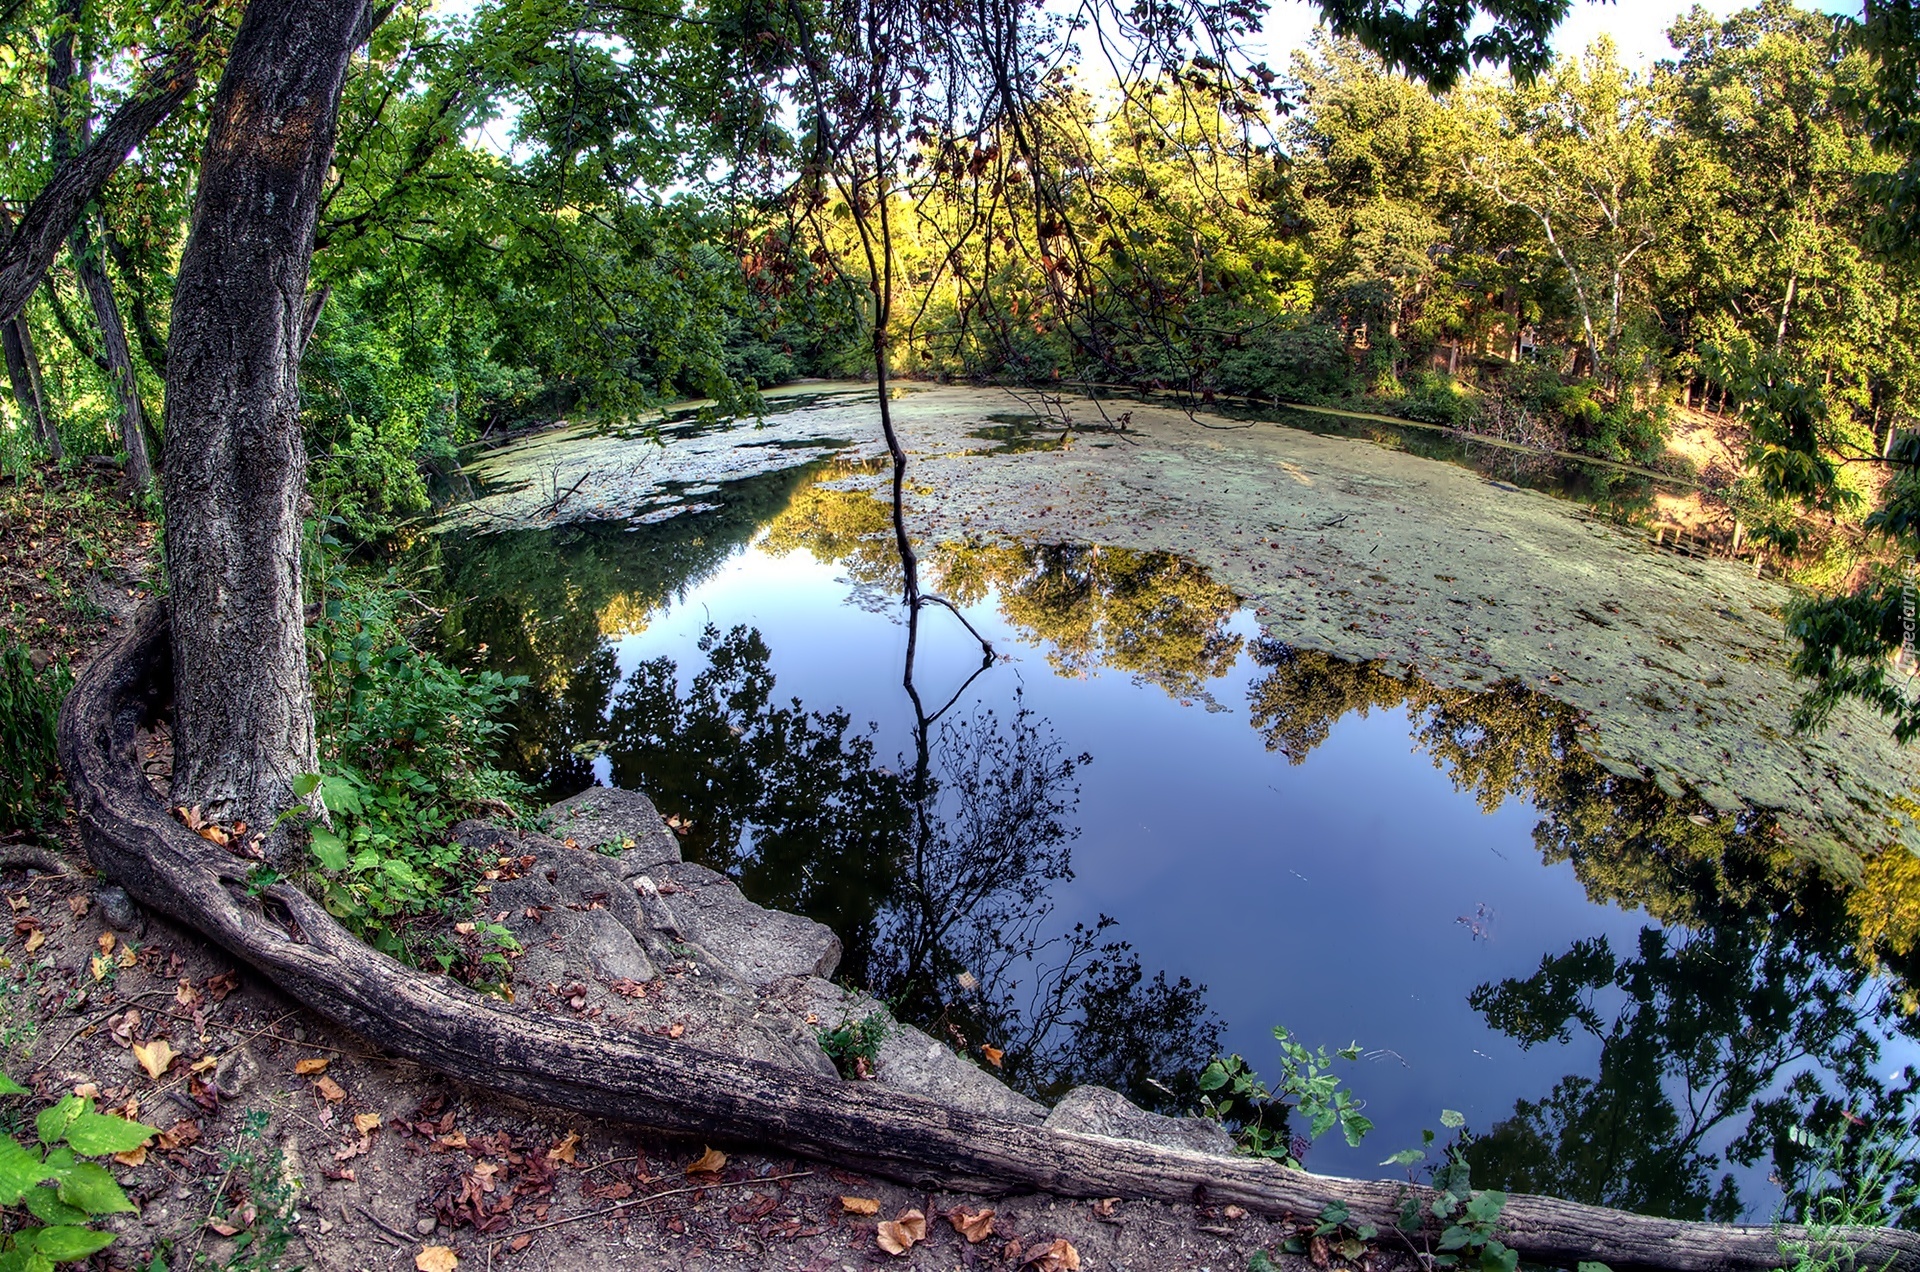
47 221
648 1080
236 468
69 87
23 373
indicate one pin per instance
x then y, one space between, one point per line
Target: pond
1143 830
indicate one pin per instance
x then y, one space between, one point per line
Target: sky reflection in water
1355 895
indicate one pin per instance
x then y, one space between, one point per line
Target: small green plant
854 1045
29 705
255 1204
1468 1220
62 1193
1261 1116
410 749
1853 1179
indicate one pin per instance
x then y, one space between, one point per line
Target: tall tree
236 468
69 85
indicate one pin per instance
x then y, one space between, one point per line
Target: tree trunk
69 88
235 463
23 372
119 359
653 1081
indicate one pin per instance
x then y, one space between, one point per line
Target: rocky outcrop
614 925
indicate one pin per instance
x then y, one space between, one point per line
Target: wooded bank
652 1081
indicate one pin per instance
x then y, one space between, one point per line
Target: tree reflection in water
1756 1008
1758 999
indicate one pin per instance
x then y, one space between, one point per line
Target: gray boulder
1095 1110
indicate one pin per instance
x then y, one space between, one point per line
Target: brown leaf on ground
566 1149
186 995
132 1157
1058 1257
708 1162
436 1259
106 943
78 905
1235 1212
330 1090
154 1056
1103 1208
897 1236
975 1225
35 939
309 1067
860 1205
1318 1251
182 1133
520 1242
366 1123
218 987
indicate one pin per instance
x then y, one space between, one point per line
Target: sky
1638 27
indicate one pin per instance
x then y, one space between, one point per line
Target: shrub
29 705
408 750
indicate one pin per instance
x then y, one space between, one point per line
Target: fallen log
661 1083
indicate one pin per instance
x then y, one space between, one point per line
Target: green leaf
93 1189
47 1207
1591 1265
9 1087
1336 1213
96 1134
1213 1077
329 849
66 1244
1485 1207
1452 1120
1455 1237
1498 1258
53 1120
1261 1263
1355 1128
1405 1157
20 1169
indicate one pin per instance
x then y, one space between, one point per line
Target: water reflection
1759 993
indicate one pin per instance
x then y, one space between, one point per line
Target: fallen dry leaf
1319 1252
154 1056
100 965
975 1225
127 957
676 1029
132 1157
186 995
35 939
860 1205
708 1162
307 1068
436 1259
897 1236
520 1242
366 1123
1103 1208
205 1063
19 903
182 1133
78 905
568 1148
106 942
330 1090
1235 1212
993 1054
1058 1257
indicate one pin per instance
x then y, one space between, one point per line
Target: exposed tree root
658 1082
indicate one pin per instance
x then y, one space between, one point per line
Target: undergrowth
408 749
29 705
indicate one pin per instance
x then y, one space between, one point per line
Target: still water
1141 835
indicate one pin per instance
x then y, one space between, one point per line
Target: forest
275 276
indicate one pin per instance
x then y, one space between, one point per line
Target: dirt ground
288 1143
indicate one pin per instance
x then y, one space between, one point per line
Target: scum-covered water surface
1160 820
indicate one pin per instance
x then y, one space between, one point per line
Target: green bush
29 705
61 1194
408 750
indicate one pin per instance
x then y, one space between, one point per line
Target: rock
117 908
757 944
911 1061
424 1225
605 816
234 1072
1094 1110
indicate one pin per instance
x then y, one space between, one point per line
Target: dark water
1142 836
